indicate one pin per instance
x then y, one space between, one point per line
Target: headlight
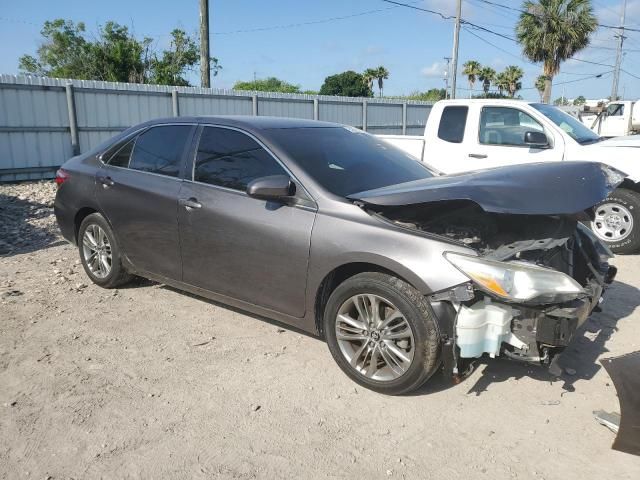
517 282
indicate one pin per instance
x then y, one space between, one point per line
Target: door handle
189 203
478 155
106 182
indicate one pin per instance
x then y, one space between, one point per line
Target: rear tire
100 254
617 221
394 353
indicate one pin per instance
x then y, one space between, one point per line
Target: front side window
506 126
160 150
615 110
452 124
232 159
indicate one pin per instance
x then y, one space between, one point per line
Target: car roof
246 121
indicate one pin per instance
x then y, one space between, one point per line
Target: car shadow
17 236
580 356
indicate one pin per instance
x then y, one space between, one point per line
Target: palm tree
502 82
370 74
471 69
382 74
487 76
512 76
541 84
552 31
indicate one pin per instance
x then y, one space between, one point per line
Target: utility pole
616 71
205 67
456 39
446 78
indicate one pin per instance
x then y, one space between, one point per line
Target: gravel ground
148 382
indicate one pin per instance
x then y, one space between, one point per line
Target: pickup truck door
494 137
615 122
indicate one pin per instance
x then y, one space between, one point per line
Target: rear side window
160 150
121 157
231 159
452 124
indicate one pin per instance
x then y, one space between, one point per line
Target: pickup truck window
506 126
576 130
452 124
615 110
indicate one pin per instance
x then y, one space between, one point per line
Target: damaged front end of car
535 271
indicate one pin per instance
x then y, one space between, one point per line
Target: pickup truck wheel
382 333
617 220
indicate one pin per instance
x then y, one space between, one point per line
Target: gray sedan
331 230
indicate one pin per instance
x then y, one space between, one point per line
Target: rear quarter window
452 124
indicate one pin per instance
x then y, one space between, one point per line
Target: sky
302 42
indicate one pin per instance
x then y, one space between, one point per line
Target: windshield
572 126
345 161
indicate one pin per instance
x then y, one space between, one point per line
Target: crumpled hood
553 188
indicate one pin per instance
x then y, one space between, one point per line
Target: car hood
554 188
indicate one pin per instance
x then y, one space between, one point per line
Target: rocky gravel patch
27 222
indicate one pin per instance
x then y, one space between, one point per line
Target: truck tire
617 221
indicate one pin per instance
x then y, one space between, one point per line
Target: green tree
472 70
64 53
502 83
170 66
346 84
370 74
552 31
561 101
580 100
487 76
114 55
381 74
541 85
513 76
432 95
271 84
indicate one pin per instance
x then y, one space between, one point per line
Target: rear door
252 250
138 192
445 147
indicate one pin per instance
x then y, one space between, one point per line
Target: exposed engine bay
475 320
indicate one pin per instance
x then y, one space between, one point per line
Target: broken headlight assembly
517 281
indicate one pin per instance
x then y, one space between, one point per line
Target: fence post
364 115
316 109
175 105
404 118
254 104
73 120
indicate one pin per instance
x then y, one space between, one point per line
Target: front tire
617 221
100 254
382 333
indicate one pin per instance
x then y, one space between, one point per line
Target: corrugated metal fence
45 121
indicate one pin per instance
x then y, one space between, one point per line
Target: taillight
61 177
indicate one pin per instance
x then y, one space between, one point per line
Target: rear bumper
65 218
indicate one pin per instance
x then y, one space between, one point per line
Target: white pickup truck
464 135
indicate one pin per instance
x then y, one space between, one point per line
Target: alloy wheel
96 251
374 337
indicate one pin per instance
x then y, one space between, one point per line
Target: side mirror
274 187
536 139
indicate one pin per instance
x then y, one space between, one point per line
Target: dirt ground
149 382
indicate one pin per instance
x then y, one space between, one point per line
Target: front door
245 248
138 192
500 140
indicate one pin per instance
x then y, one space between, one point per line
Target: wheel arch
629 184
347 270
